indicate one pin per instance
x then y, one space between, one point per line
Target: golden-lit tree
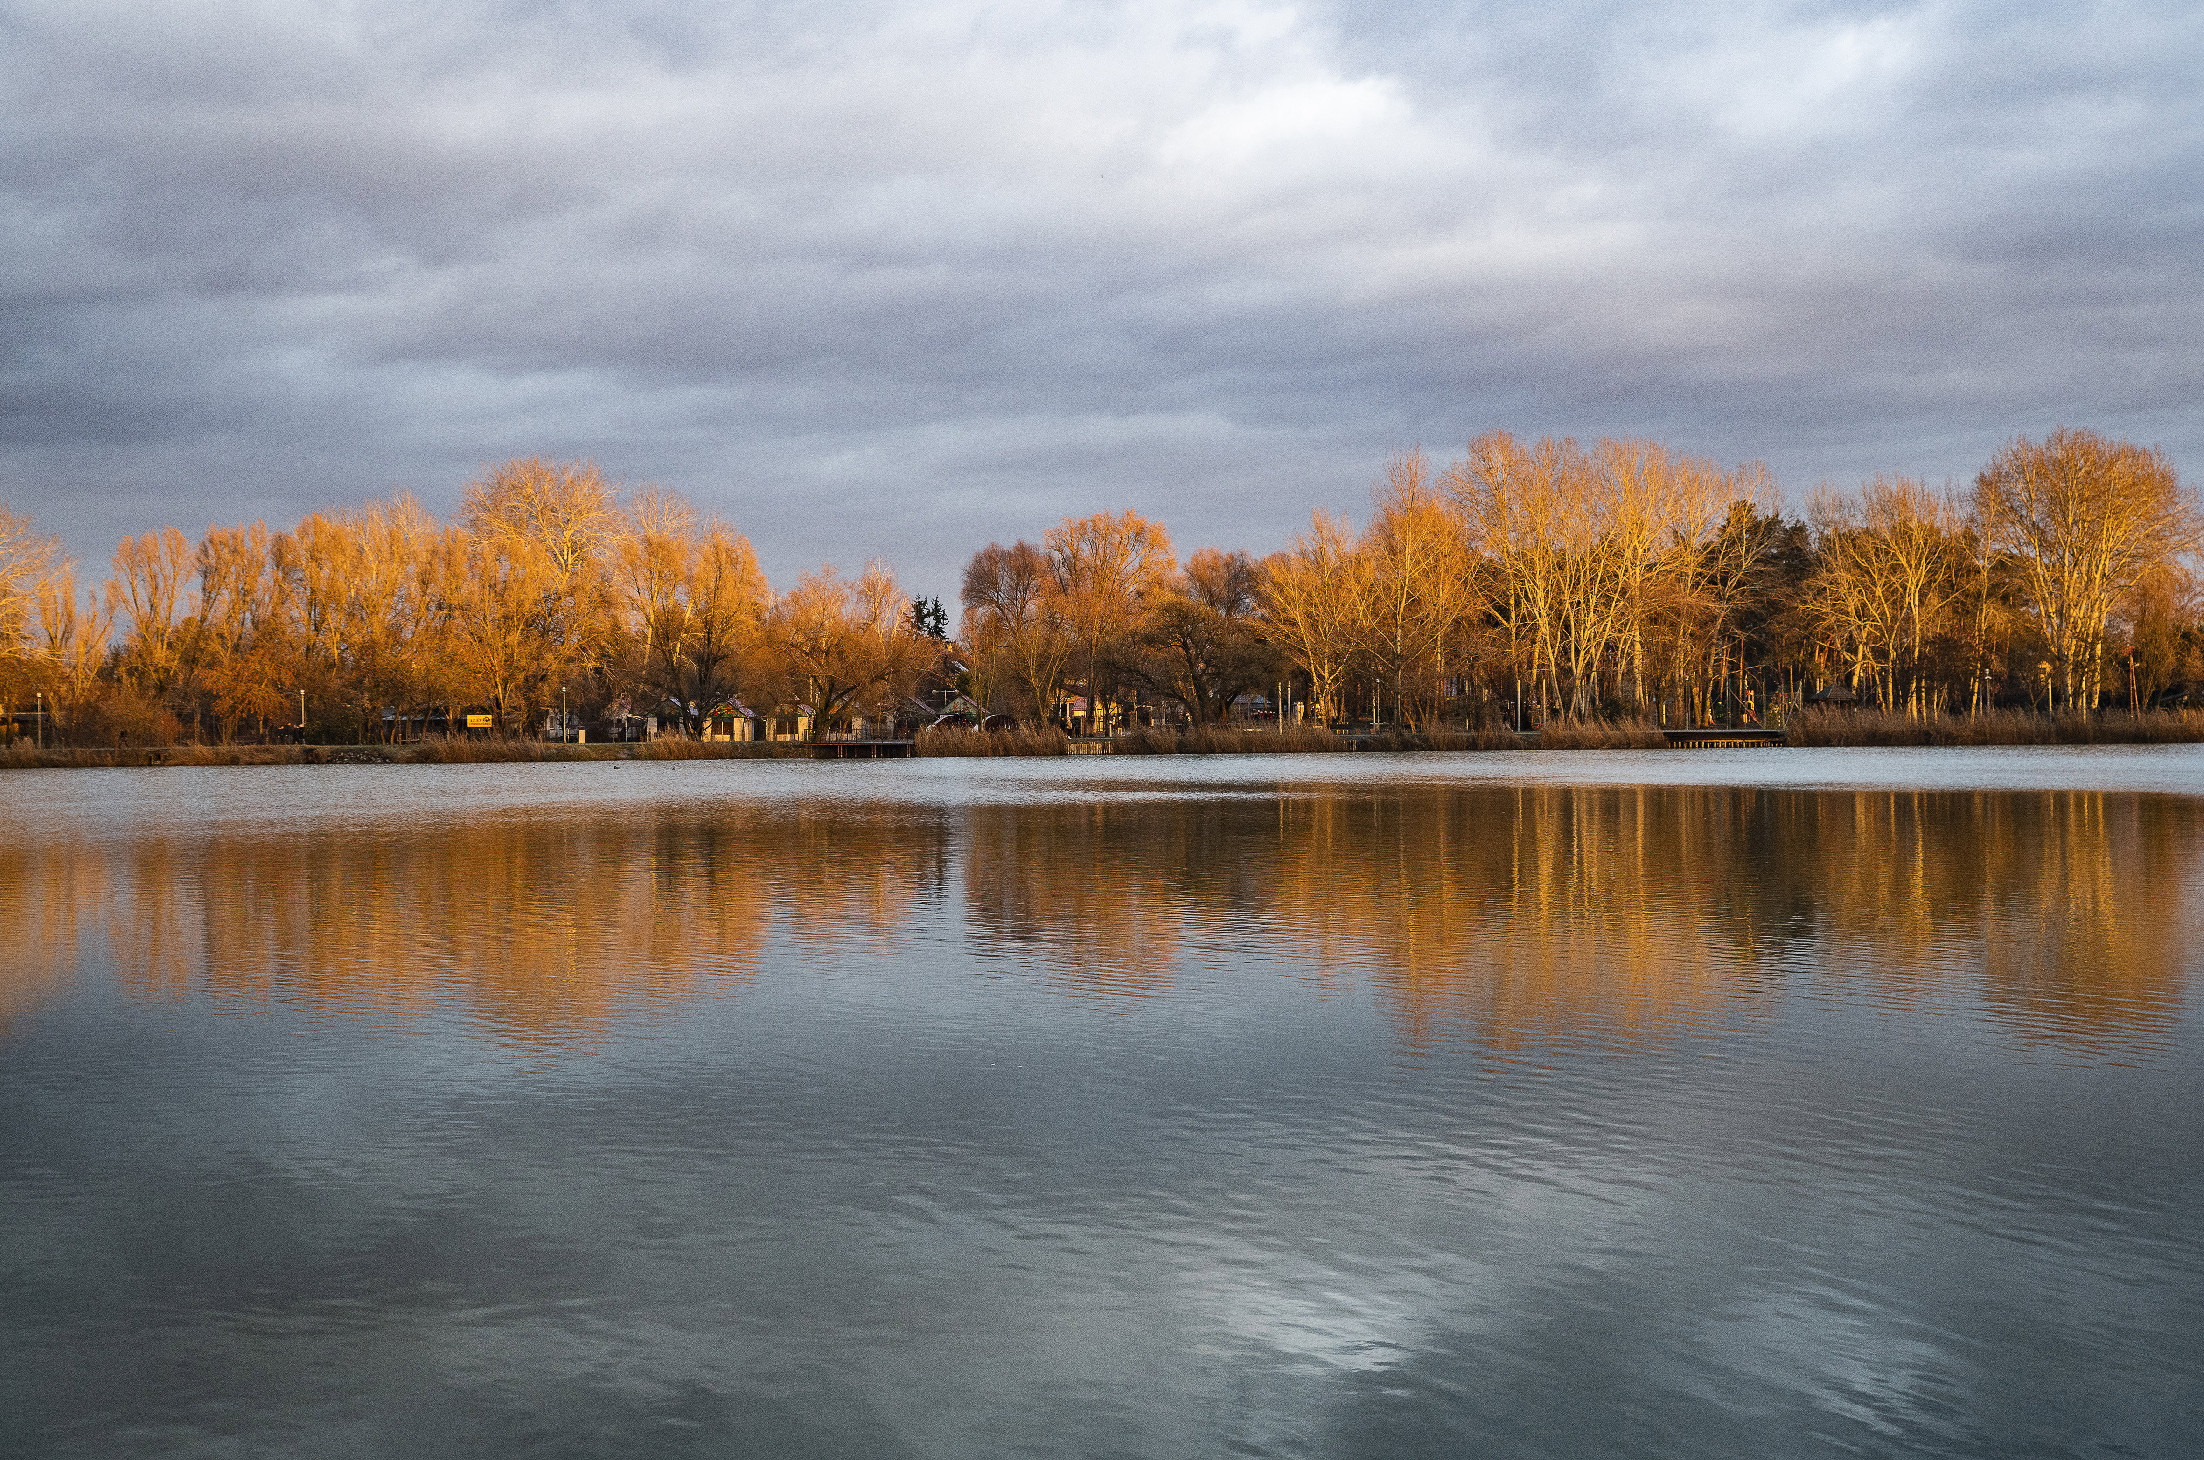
565 509
692 602
33 579
1416 591
843 646
1509 496
241 654
1893 567
147 591
1203 644
1014 627
71 637
2084 518
528 584
26 560
1311 596
1106 567
1725 578
2164 646
1617 571
391 620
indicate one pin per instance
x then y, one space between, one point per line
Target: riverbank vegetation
1593 593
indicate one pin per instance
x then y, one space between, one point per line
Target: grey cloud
901 279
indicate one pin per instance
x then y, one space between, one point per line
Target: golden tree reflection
1527 915
1519 917
1524 916
50 899
1094 890
547 927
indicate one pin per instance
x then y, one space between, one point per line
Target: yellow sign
478 722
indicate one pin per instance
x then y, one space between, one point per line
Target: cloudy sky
898 278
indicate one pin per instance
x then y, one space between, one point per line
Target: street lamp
38 726
302 716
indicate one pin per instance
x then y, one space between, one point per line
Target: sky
896 280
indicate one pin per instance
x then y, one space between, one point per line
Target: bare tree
1311 596
843 642
1417 589
1204 644
529 582
1893 564
1105 568
26 558
2085 518
147 591
1014 626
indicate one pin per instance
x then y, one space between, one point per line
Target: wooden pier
1715 737
863 749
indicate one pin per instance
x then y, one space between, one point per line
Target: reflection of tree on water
549 927
1527 915
1101 892
2066 913
1517 916
49 907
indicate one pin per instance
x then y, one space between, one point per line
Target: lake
1731 1103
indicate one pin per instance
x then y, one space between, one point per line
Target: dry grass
1293 740
461 750
677 748
1225 740
1601 735
92 757
1444 737
1996 727
1812 727
23 757
1018 740
499 750
436 751
667 747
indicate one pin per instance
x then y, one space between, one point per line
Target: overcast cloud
898 279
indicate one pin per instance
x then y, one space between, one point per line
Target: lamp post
302 716
565 734
38 726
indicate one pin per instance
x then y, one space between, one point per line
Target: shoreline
1816 732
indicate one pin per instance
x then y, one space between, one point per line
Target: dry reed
1819 727
1018 740
1601 735
1996 727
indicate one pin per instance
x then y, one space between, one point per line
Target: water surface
1733 1103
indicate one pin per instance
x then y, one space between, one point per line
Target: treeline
1622 580
1518 583
546 592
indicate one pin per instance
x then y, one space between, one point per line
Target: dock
1713 737
863 749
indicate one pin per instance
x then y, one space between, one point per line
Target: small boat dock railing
864 749
1717 737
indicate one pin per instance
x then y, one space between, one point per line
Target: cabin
731 723
24 726
787 723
